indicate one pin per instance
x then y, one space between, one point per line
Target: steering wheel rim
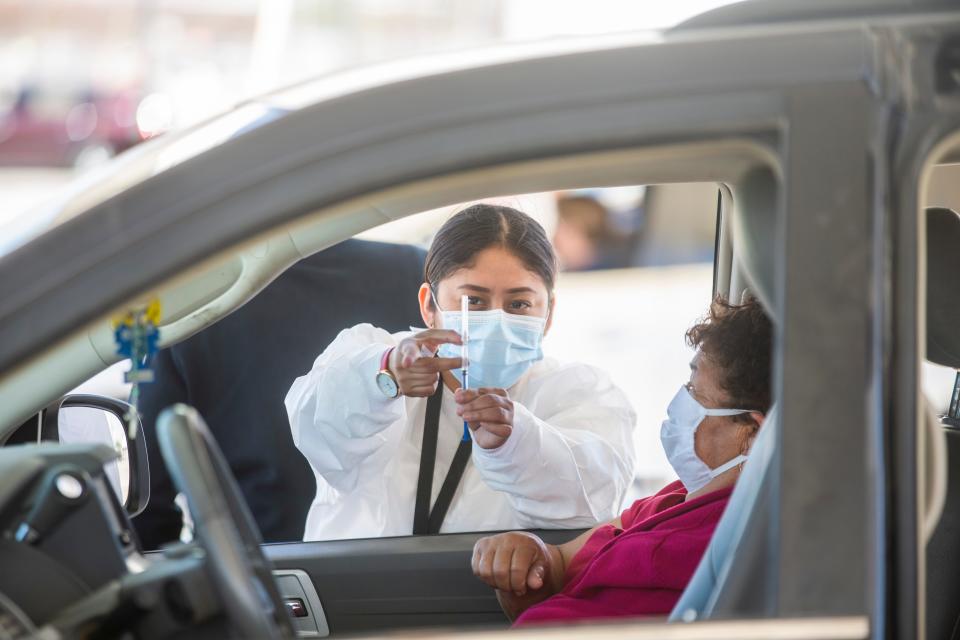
223 524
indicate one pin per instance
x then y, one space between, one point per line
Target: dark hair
482 226
738 340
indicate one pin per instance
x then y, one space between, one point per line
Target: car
824 128
56 128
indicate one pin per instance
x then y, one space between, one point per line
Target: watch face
387 385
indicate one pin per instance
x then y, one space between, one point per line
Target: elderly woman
639 563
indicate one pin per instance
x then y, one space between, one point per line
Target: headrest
943 278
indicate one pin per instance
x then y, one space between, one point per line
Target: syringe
464 352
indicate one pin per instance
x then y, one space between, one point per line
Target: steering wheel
224 525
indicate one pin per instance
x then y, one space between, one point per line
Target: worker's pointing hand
414 365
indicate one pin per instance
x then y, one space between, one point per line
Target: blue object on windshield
137 337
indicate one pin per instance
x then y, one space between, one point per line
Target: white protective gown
567 463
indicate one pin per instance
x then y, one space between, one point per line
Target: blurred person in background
597 231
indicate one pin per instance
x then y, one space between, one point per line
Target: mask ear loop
727 466
433 299
740 466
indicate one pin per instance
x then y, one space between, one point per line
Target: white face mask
684 415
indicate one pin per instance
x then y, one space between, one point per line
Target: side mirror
95 419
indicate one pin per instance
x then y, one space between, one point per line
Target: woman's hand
489 413
521 567
414 365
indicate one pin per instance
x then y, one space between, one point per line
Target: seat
702 591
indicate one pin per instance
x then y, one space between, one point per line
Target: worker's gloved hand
415 366
489 414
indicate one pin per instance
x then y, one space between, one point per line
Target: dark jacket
236 373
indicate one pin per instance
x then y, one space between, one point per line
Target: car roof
759 12
148 160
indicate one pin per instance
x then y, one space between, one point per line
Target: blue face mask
501 346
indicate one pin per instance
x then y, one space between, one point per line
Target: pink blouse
641 568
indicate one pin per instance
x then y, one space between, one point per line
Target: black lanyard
426 520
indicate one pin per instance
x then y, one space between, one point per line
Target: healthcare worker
381 417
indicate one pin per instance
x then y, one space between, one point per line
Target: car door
829 133
922 473
798 119
357 580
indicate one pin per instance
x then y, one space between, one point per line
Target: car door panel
404 582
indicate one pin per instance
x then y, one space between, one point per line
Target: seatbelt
426 520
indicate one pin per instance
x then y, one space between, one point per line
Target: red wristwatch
386 382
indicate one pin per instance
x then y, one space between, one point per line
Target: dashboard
71 562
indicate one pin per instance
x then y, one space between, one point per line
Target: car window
635 272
